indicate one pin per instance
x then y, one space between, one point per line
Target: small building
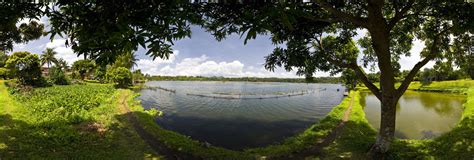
45 71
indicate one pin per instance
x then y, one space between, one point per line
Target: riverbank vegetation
308 37
457 144
67 122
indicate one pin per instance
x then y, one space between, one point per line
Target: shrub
121 76
57 76
25 66
83 67
3 73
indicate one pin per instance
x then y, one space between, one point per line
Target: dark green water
239 115
420 115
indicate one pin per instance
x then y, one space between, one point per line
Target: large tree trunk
387 128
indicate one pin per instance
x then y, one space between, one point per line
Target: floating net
238 95
225 95
160 88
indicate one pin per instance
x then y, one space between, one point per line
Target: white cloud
19 46
56 43
64 52
202 66
67 54
407 63
152 66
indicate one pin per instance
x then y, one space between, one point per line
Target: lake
238 115
420 115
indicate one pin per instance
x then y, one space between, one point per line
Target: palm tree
48 57
127 60
61 63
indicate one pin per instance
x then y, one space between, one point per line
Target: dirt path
316 149
156 145
168 153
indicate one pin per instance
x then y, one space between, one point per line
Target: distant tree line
441 71
28 69
246 79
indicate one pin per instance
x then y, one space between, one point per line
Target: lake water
420 115
239 115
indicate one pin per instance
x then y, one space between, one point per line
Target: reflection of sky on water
240 123
420 115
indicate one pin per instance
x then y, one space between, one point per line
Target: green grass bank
67 122
288 148
456 144
91 122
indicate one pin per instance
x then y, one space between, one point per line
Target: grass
290 146
89 122
67 122
309 137
456 144
355 139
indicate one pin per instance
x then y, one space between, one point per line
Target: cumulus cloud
152 66
58 42
203 66
64 52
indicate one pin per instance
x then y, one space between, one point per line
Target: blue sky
202 55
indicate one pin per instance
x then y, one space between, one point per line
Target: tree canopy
12 13
309 36
48 57
83 67
25 66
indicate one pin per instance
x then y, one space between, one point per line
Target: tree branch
431 55
363 77
400 14
359 21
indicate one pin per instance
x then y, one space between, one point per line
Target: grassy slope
456 144
290 146
102 132
356 137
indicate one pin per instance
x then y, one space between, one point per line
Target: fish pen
160 88
252 96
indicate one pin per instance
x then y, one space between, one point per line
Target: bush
3 73
121 76
26 67
57 76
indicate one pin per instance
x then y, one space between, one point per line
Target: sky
202 55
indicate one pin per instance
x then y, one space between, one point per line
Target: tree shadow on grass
354 142
58 140
456 144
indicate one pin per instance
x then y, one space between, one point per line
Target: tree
121 76
463 55
138 76
25 66
3 59
127 60
11 14
83 67
349 78
57 76
3 73
48 57
61 63
140 24
391 26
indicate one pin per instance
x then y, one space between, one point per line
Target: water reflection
420 115
240 123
